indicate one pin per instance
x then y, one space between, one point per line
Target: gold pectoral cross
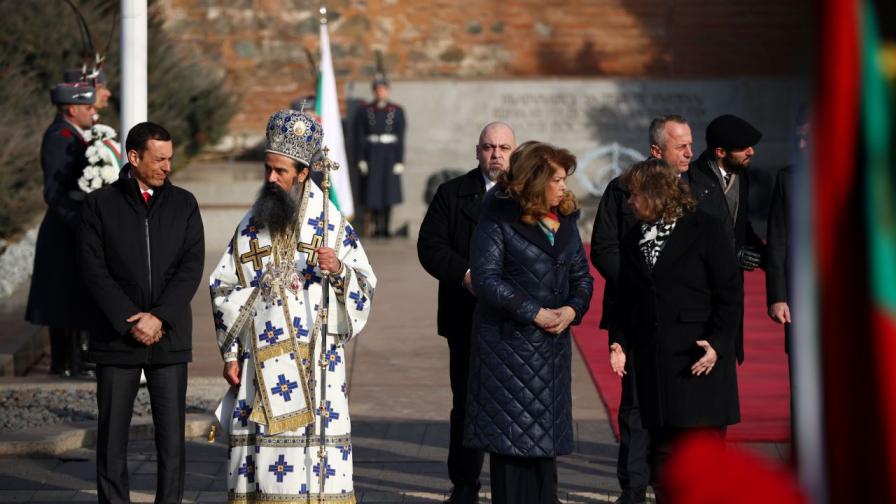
256 254
311 249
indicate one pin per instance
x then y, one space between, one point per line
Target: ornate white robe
266 299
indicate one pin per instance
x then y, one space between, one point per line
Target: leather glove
362 166
749 258
398 168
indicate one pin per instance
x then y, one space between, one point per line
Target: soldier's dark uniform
380 136
58 297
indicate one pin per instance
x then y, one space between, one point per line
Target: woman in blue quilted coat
531 277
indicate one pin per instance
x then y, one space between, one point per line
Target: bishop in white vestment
266 298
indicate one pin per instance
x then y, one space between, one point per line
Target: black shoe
633 496
463 495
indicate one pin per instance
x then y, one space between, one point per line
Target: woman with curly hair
531 277
678 310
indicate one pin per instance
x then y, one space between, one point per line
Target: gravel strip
25 408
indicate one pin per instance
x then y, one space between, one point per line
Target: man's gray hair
656 135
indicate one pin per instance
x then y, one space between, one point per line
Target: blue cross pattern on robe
285 387
248 469
252 228
328 414
328 470
219 321
255 279
242 412
318 224
346 450
297 323
359 299
303 490
270 333
351 237
280 468
310 275
333 358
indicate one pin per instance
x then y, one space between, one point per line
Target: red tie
146 197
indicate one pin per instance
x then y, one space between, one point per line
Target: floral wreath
103 158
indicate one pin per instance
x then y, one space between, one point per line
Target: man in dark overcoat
669 139
142 253
443 247
380 127
58 297
778 289
721 185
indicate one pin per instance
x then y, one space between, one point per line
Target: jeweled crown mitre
295 135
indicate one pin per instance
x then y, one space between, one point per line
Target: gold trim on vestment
254 498
246 311
281 440
290 421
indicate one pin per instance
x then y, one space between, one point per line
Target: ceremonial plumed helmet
295 135
77 93
78 75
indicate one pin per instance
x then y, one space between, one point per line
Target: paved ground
399 400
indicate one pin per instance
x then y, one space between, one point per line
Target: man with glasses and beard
267 303
721 186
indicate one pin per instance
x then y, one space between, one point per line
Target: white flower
109 173
96 183
91 151
84 185
103 132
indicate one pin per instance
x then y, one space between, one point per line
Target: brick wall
260 44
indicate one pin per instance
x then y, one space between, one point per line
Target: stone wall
260 44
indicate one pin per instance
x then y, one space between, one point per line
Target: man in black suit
721 185
670 139
142 253
55 299
443 247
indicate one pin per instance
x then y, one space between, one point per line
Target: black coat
443 247
613 220
58 297
777 259
693 293
382 186
707 189
139 258
519 399
776 262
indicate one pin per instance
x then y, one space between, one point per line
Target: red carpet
762 379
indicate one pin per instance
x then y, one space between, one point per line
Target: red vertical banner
852 333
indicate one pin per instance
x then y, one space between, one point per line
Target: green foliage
40 40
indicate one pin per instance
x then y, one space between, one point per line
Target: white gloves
398 169
362 166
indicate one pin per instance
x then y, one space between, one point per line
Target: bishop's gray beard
275 208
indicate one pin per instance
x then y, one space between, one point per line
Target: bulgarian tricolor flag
852 207
327 109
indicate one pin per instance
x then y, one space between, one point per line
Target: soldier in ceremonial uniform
58 298
380 129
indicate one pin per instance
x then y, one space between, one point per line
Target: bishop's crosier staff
325 165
